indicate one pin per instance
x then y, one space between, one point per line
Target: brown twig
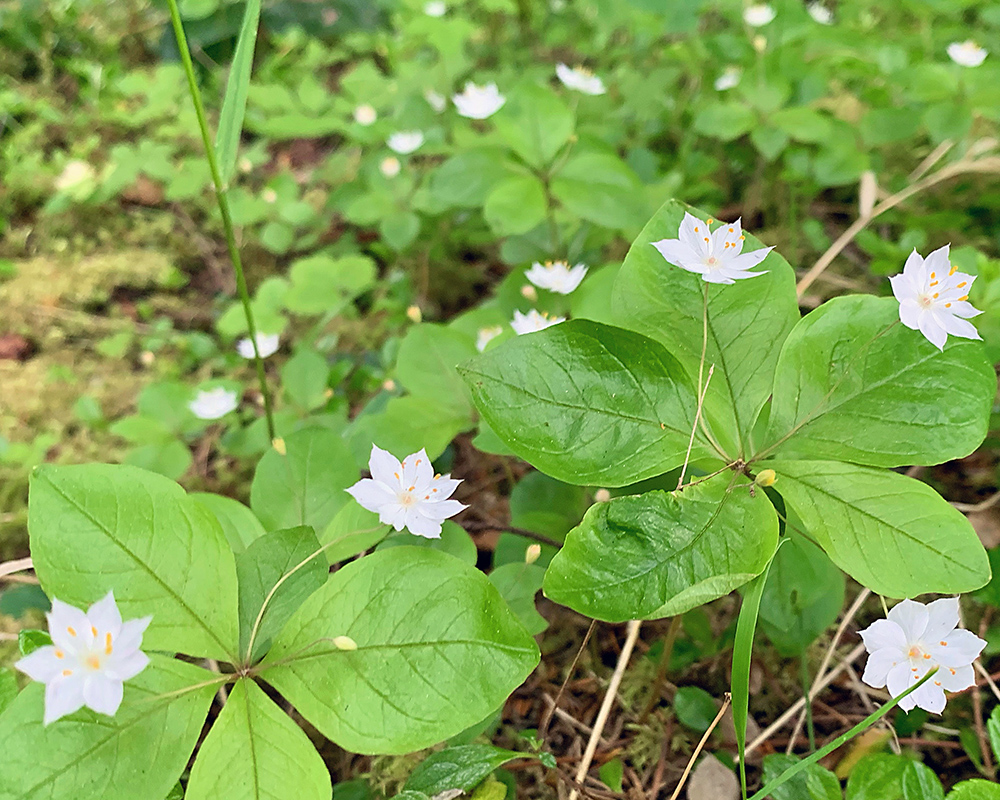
700 747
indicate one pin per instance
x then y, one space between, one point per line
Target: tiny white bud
146 358
602 496
269 196
766 477
345 643
532 553
279 444
389 385
529 292
414 314
760 43
390 166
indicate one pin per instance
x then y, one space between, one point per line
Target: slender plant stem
811 732
220 196
700 747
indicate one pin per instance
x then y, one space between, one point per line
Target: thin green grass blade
234 105
824 751
742 652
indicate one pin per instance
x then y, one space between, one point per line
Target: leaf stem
223 202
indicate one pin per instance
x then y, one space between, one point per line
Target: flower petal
384 467
912 617
394 515
747 261
957 326
102 693
938 262
442 510
915 270
372 494
445 486
676 252
42 665
955 679
69 627
929 697
909 312
942 618
420 525
131 634
932 330
879 664
692 232
63 696
882 634
104 616
961 647
900 678
127 666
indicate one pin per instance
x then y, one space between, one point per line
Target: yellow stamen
935 295
953 270
710 220
696 229
60 654
947 305
93 631
960 285
94 662
67 672
71 632
107 644
963 297
933 275
934 283
742 238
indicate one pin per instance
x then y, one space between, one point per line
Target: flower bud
529 292
766 477
279 444
345 643
414 314
602 496
532 553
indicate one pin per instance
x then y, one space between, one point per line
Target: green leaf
29 640
399 229
660 554
611 774
352 531
255 752
461 767
803 124
542 505
437 650
536 123
920 783
724 121
518 584
238 522
891 533
305 486
91 755
322 284
803 596
304 378
8 687
407 424
747 323
601 188
282 569
454 541
465 180
170 459
876 777
851 362
515 205
99 527
234 105
993 726
427 365
813 783
975 790
695 708
587 403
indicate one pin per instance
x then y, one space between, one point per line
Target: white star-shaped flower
758 15
213 403
404 142
436 101
533 321
365 115
90 657
580 79
408 494
556 276
933 297
820 13
717 256
487 335
967 54
435 8
729 79
479 102
914 640
267 344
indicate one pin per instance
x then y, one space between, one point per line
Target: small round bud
766 477
389 385
344 643
529 292
602 496
414 314
390 166
532 553
759 43
269 196
146 358
279 444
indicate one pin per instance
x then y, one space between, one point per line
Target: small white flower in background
556 276
365 115
408 494
729 79
435 8
820 13
580 79
914 640
436 101
933 297
390 166
717 256
213 403
269 196
404 142
92 654
75 173
479 102
533 321
529 293
487 335
758 15
267 344
967 54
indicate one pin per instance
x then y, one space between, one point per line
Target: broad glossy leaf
891 533
747 322
536 123
100 527
91 755
454 540
602 189
427 365
322 284
542 505
254 751
662 553
876 777
8 687
291 558
813 783
920 783
407 424
462 767
515 205
518 584
352 531
803 595
854 384
975 790
587 403
305 486
238 522
437 650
